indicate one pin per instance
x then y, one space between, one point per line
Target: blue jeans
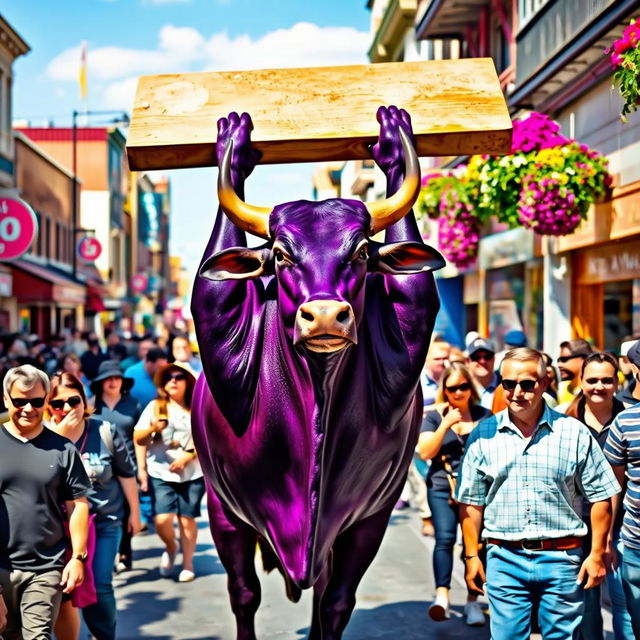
517 578
100 617
445 522
631 585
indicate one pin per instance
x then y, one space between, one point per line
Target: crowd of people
535 469
97 447
531 465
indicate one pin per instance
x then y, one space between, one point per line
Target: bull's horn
246 216
385 212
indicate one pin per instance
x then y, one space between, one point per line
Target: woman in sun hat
173 471
114 404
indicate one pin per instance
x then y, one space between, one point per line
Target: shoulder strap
107 437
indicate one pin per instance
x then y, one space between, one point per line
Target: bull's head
320 253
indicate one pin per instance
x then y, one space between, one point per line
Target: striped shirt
623 448
533 488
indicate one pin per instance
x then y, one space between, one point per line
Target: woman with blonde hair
443 435
170 466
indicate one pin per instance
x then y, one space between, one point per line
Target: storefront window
618 313
506 297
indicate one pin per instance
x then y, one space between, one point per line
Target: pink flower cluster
538 131
547 207
458 232
630 39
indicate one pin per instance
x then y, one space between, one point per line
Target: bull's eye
363 254
281 258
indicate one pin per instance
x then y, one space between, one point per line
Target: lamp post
124 117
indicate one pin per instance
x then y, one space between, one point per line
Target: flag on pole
82 77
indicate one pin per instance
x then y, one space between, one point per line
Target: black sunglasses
21 403
606 381
465 386
564 359
476 357
175 376
58 404
526 385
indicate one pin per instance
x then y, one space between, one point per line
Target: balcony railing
555 26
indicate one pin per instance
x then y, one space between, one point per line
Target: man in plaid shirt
520 485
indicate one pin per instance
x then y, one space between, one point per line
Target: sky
129 38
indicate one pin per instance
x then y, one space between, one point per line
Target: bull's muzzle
325 326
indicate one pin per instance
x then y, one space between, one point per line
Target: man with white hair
39 472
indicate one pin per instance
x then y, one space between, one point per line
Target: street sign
89 248
139 283
18 227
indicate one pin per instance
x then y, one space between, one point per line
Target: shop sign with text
18 228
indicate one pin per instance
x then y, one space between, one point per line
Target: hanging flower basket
458 230
625 60
547 206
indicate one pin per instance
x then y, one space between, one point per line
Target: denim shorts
182 498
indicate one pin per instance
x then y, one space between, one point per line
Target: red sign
18 227
89 248
139 283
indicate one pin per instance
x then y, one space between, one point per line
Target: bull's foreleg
236 546
318 590
353 552
389 156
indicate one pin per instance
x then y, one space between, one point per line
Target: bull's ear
236 263
404 258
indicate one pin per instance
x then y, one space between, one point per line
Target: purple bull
307 416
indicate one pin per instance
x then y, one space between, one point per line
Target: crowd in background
125 406
598 390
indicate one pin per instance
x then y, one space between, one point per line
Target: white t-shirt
169 444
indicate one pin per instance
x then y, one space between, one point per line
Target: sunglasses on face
58 404
564 359
175 376
465 386
526 385
478 357
606 381
21 403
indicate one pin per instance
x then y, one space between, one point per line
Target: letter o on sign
18 227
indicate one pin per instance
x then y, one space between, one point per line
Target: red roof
64 134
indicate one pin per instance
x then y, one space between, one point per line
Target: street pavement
392 600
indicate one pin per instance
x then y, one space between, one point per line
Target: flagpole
82 80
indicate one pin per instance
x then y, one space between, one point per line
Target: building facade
549 55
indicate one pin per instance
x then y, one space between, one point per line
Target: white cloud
303 45
111 70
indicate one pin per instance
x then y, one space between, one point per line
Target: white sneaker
439 610
474 615
186 576
167 561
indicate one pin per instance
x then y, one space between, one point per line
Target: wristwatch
83 557
469 557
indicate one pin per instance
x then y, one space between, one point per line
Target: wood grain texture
320 113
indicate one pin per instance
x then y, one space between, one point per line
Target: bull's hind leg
236 546
353 552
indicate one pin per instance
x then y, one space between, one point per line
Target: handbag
451 479
85 594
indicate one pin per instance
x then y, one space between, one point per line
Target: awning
95 300
37 283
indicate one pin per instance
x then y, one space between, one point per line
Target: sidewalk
392 600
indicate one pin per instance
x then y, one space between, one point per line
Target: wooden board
320 113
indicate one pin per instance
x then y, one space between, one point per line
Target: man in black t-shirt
40 472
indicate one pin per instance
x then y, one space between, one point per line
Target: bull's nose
325 319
